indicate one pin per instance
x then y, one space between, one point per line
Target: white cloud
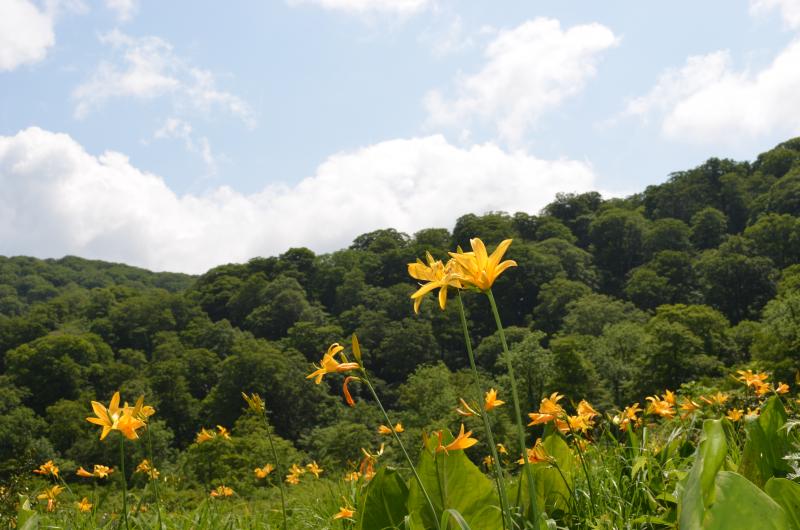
528 70
148 68
398 7
176 128
789 10
124 9
708 101
58 199
26 33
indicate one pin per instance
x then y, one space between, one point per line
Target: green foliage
384 501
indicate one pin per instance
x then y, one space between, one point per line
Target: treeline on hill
612 300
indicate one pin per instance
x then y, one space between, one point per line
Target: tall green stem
518 414
124 481
501 487
153 476
277 470
403 448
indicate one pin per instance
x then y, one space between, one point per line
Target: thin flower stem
153 476
277 469
585 469
501 487
517 412
403 448
124 482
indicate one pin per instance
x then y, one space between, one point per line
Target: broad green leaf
787 494
697 489
554 482
27 518
762 457
384 502
453 481
741 505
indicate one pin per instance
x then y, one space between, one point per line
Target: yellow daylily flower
314 469
140 410
660 407
330 365
536 454
128 423
479 269
437 275
84 505
146 468
222 492
669 397
223 432
353 476
465 409
344 513
383 429
502 449
461 442
204 435
549 410
735 414
106 417
488 461
782 388
48 468
262 472
716 399
627 417
255 403
752 379
99 471
689 407
50 495
292 479
491 401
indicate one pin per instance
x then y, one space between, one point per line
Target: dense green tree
554 297
776 236
492 228
709 227
735 280
778 339
57 366
617 243
591 313
666 234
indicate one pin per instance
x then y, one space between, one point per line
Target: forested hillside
612 300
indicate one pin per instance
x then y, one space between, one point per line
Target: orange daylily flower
330 365
752 379
99 471
716 399
146 468
660 407
48 468
50 495
128 423
222 431
491 401
314 469
437 275
262 472
84 505
344 513
106 417
782 388
735 414
461 442
628 416
689 407
204 435
465 409
478 268
222 492
536 454
383 429
549 410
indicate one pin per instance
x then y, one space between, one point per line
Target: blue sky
184 134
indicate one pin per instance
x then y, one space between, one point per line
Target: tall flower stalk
258 406
124 482
330 365
479 270
501 487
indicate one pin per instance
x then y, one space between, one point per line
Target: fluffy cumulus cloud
26 33
788 9
124 9
710 101
398 7
147 68
58 199
528 70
